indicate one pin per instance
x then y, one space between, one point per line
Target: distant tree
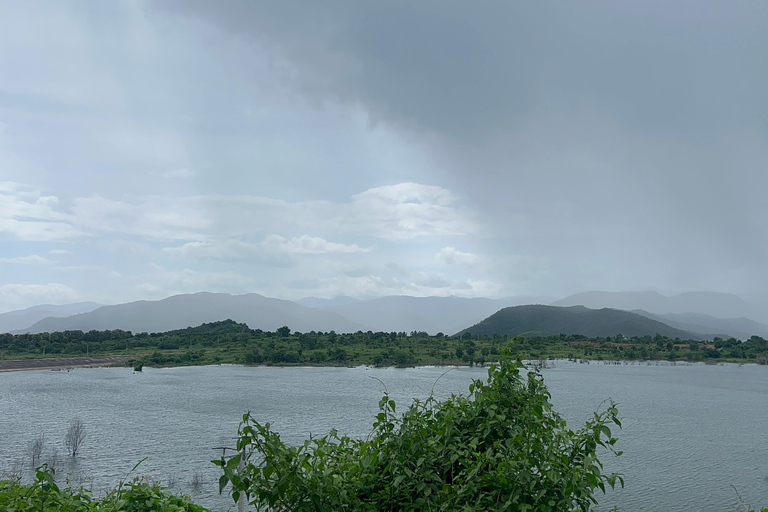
284 331
75 436
36 449
711 353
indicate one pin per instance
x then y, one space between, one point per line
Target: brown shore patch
61 363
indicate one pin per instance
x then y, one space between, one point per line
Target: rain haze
364 149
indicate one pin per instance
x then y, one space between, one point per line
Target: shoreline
15 365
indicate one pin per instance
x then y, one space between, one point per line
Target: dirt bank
61 363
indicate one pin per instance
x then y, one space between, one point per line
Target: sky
306 148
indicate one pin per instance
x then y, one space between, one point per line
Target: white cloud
226 251
407 210
398 269
38 231
60 251
179 173
32 259
91 270
192 280
19 296
431 280
157 217
122 246
408 193
396 212
174 281
311 245
274 250
484 288
232 250
140 144
26 214
451 255
418 284
149 288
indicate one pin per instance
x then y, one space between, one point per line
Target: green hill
536 320
212 328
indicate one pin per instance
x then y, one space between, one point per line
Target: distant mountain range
429 314
703 314
709 326
719 305
181 311
316 302
23 318
554 320
396 313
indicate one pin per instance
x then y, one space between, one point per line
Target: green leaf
233 463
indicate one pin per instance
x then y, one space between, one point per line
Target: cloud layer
375 148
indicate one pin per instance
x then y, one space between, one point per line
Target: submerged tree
75 436
500 448
36 449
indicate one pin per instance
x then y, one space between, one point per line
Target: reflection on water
690 432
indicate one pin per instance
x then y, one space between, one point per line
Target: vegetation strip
235 343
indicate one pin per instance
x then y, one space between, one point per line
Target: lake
691 433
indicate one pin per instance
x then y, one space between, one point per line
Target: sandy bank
61 363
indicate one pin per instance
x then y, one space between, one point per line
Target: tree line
231 342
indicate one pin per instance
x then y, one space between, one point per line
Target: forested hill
552 320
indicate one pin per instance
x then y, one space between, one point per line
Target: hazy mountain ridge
554 320
319 303
709 326
182 311
23 318
403 313
347 314
719 305
342 314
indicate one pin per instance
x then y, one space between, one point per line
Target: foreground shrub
500 448
142 496
43 495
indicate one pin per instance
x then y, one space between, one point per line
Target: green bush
500 448
43 495
142 496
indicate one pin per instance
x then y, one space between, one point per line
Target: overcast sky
306 148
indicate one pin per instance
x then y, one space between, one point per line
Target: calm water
690 432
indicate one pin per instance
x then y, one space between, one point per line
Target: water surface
690 432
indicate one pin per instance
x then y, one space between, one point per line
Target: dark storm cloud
689 69
626 140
